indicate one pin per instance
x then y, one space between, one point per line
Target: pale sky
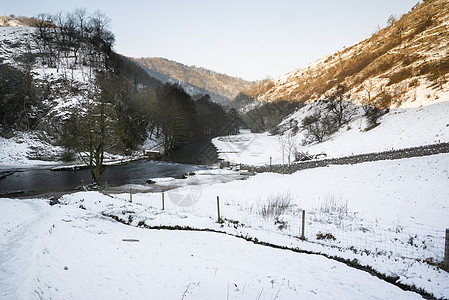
251 39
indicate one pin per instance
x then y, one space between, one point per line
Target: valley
330 182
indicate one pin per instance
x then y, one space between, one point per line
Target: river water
187 158
43 180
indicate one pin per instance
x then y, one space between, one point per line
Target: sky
250 39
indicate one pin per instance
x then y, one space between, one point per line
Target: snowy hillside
44 84
401 128
411 97
397 78
59 90
19 37
411 48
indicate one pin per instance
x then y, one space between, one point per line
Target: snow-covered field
75 251
411 191
63 252
249 148
417 123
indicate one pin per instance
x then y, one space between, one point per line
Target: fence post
130 195
163 202
218 209
303 225
446 250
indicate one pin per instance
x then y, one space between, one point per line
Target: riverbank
29 150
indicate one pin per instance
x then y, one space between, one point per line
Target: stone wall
355 159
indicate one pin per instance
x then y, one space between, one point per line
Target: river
34 181
43 180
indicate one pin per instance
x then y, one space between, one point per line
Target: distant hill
13 21
195 80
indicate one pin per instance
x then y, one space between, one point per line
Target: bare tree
369 88
366 102
340 109
291 145
282 148
287 146
316 127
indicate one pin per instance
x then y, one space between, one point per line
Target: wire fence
330 225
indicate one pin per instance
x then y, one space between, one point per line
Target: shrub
281 223
385 63
372 115
325 236
334 207
276 205
68 156
409 59
384 100
400 76
414 82
302 156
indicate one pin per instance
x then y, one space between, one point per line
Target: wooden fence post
130 195
218 209
446 250
163 201
303 225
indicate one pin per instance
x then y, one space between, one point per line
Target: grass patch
277 205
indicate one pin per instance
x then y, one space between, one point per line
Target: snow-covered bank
68 253
27 150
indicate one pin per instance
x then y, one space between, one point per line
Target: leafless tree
366 102
339 108
287 145
316 127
